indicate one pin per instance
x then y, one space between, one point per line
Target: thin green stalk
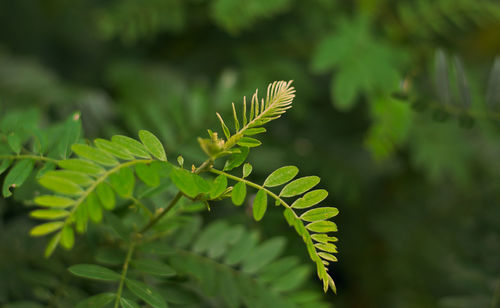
24 156
124 273
141 205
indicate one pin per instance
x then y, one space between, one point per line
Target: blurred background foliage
396 110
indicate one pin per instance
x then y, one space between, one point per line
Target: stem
35 157
256 186
124 273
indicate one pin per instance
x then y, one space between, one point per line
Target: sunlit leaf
239 193
54 201
249 142
254 131
60 185
326 247
123 181
106 195
185 182
113 148
67 237
147 174
50 214
94 154
81 165
152 144
259 205
219 185
247 169
322 226
133 146
311 198
76 177
281 176
299 186
46 228
321 213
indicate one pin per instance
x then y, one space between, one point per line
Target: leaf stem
25 156
124 272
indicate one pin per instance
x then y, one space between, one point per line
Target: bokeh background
396 111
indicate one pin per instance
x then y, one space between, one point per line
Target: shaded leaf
17 175
97 301
127 303
153 267
236 159
147 174
263 255
93 207
67 237
4 165
106 195
146 293
92 271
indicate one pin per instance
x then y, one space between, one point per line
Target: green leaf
106 196
311 198
94 154
49 214
17 175
321 213
81 217
236 159
185 182
219 185
15 142
92 271
54 201
299 186
239 193
60 185
133 146
123 181
94 207
70 134
254 131
127 303
153 267
225 129
147 174
323 238
322 226
97 301
146 293
76 177
263 255
327 256
46 168
67 237
52 245
4 165
247 169
152 144
113 148
249 142
46 228
259 205
81 165
326 247
281 176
